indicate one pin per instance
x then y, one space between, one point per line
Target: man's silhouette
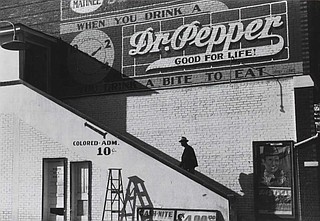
188 159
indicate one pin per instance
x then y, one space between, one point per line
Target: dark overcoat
188 159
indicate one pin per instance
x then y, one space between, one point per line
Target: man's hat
271 151
183 139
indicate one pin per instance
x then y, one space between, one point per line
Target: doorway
80 191
54 189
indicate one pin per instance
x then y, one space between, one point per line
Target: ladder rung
116 191
128 214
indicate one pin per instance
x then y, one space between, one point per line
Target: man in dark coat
188 159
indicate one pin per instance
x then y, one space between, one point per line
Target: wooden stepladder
136 190
114 198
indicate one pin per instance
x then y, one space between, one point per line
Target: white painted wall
166 187
9 65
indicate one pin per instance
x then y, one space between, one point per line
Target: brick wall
6 166
304 102
21 171
221 121
309 178
37 14
308 192
35 128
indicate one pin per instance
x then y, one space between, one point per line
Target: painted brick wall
6 166
24 159
37 14
34 130
221 121
308 176
304 101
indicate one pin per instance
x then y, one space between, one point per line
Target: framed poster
274 178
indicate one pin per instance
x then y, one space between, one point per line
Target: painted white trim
310 163
307 140
303 81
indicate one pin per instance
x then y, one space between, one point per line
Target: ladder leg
114 195
105 199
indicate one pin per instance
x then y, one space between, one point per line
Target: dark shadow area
77 74
79 79
219 216
94 88
247 188
265 200
308 156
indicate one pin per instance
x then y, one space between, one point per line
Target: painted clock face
97 44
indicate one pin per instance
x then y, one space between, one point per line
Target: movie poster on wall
274 180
